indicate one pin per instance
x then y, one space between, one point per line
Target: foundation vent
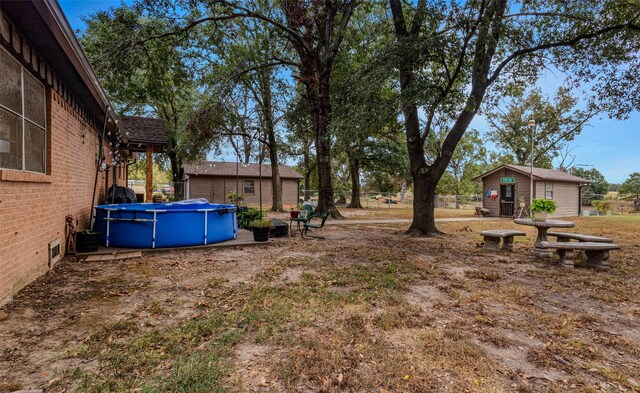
54 252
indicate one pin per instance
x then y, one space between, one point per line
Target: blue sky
611 146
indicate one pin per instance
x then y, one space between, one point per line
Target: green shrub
264 223
543 205
601 206
245 218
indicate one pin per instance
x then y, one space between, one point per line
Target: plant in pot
294 212
541 207
261 229
303 211
87 241
235 198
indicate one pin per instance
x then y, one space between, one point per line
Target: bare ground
367 310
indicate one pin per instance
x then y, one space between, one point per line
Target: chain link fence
173 191
602 204
398 200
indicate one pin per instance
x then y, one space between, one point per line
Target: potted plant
303 211
261 229
157 197
541 207
294 212
235 198
87 241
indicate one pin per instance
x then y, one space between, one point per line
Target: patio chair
308 226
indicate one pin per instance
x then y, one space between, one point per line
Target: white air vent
54 252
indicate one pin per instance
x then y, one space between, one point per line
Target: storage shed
215 180
502 186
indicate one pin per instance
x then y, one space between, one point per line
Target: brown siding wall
566 197
215 189
522 188
33 206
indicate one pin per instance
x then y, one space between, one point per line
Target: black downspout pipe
95 181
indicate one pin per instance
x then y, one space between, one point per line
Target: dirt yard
367 310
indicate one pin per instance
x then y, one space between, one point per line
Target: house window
22 118
548 190
249 187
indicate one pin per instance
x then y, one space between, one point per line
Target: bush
601 206
264 223
543 205
245 218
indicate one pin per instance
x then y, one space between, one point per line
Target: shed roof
212 168
145 130
538 174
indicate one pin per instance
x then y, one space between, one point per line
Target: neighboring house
52 111
215 180
502 186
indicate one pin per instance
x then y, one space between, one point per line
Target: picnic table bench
595 252
567 236
481 211
492 238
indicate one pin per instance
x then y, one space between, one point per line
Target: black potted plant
261 229
87 241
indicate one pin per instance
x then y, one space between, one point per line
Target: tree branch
558 44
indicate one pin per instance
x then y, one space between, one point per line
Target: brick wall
33 206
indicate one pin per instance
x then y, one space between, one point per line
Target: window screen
548 190
22 118
249 187
10 140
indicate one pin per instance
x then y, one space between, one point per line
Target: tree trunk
424 190
354 172
320 109
177 175
306 163
264 78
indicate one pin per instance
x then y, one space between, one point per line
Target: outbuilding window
22 118
548 190
249 186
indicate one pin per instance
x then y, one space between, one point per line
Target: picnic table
543 227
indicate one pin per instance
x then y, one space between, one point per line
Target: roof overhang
491 172
44 24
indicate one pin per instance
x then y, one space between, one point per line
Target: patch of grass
192 357
156 308
10 387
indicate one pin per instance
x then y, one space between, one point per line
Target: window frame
244 186
547 190
24 119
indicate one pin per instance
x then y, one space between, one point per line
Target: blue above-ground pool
156 225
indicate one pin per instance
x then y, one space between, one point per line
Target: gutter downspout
95 181
580 198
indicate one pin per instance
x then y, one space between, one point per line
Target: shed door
507 200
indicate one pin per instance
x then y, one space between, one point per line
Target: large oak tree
450 55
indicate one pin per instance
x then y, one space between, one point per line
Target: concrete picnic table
543 227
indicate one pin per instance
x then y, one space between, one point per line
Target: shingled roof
143 130
211 168
539 174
